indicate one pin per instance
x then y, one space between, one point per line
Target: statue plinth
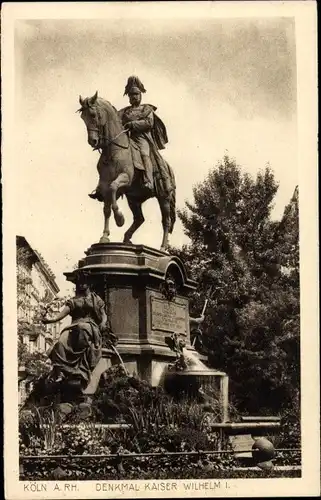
146 295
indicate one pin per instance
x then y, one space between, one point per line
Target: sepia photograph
160 249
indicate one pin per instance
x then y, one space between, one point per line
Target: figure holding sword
196 332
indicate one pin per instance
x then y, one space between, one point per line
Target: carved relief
169 288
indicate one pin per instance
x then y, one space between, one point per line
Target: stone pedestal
137 284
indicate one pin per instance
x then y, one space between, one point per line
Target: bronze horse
118 175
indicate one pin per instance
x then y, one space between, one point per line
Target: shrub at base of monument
92 470
158 424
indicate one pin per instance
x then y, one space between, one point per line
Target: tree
238 255
288 249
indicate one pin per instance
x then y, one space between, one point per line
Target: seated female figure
78 349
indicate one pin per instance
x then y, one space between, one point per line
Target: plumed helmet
134 84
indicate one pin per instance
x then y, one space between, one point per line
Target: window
32 346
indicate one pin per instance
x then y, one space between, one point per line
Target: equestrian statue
130 164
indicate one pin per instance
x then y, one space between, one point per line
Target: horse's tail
165 187
172 205
172 198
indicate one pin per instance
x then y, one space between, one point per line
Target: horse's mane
107 106
103 102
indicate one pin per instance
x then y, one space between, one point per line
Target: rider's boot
149 182
95 195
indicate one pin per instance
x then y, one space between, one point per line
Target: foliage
144 468
158 424
290 432
122 398
247 265
44 433
36 364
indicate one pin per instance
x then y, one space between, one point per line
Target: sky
220 85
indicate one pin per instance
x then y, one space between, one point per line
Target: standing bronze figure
130 163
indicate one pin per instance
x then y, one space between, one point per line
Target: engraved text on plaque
168 316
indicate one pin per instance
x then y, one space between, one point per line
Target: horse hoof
104 239
127 242
120 219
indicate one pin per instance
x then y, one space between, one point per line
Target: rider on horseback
147 130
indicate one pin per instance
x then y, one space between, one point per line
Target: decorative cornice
36 257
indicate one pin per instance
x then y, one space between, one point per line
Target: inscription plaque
168 316
242 445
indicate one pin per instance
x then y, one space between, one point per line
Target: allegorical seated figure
79 348
146 130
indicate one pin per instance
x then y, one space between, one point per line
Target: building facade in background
36 286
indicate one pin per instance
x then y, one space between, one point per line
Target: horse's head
101 119
91 116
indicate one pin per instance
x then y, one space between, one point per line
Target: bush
147 468
157 422
290 431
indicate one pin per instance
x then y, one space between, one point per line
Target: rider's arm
143 125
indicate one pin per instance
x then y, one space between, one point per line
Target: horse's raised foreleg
166 221
107 213
121 181
136 208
